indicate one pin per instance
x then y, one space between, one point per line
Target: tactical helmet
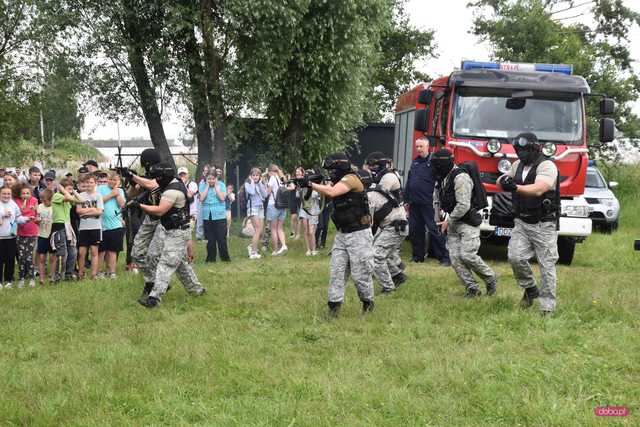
378 164
527 147
163 172
442 163
149 157
338 165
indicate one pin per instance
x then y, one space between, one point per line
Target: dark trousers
8 249
323 226
215 231
421 220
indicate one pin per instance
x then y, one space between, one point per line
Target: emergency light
513 66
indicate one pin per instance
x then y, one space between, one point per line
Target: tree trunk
213 67
198 89
135 54
293 141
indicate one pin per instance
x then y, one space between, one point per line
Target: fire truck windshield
552 116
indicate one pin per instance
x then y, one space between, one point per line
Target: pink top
30 228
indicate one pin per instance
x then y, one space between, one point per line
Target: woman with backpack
278 199
256 193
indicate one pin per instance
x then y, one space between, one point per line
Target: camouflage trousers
147 249
172 257
463 241
386 255
352 253
539 240
142 247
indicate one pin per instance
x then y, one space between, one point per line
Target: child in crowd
90 228
45 220
256 193
27 233
62 235
9 219
112 222
228 201
308 214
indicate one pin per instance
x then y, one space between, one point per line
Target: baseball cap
83 169
91 162
50 175
182 169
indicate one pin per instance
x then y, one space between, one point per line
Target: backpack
479 196
281 198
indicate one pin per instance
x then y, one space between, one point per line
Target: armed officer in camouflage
352 250
535 192
453 196
172 234
390 225
148 242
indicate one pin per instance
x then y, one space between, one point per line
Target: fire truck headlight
504 166
549 149
493 146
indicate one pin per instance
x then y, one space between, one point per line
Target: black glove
305 182
133 204
508 184
126 173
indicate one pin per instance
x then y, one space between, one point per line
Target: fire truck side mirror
420 120
607 106
607 130
424 97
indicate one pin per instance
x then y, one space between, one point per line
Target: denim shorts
274 213
256 211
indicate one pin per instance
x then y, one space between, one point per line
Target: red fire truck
476 111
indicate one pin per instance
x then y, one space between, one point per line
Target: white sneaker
112 276
255 255
308 253
275 253
20 283
314 252
8 285
282 250
249 250
32 283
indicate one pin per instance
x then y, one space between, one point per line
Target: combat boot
399 279
367 306
529 295
149 302
491 288
472 293
148 287
334 308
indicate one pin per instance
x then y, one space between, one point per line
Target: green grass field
258 349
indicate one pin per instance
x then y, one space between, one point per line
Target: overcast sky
451 21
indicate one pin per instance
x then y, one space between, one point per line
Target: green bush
25 152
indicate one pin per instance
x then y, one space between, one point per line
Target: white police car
604 208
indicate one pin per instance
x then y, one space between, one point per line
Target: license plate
503 232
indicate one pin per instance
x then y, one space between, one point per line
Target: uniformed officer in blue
534 185
419 195
352 251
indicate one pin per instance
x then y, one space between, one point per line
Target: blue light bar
592 162
513 66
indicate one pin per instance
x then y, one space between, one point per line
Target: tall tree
534 31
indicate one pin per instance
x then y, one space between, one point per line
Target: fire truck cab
476 111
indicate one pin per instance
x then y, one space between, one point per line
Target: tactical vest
532 209
351 212
448 202
176 218
394 200
153 199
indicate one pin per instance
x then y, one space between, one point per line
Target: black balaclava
378 164
442 163
338 165
527 148
148 158
163 173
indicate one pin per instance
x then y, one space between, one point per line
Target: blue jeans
421 220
